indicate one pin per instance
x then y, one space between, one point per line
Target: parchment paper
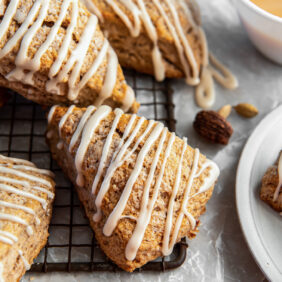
219 252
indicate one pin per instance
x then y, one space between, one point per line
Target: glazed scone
26 196
53 52
142 187
271 192
163 37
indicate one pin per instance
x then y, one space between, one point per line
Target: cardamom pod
225 111
246 110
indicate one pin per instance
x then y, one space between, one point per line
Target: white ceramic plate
261 225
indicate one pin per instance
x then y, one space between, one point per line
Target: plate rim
242 191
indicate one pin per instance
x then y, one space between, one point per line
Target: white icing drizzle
98 61
168 225
14 181
222 74
64 69
75 61
9 235
118 160
1 264
175 37
17 191
114 217
10 12
204 44
110 79
50 194
22 30
128 144
24 260
51 113
127 131
93 9
20 207
182 44
278 188
186 198
204 92
64 119
209 180
80 126
27 184
14 218
106 148
179 35
128 100
16 161
133 28
63 51
128 216
22 61
152 33
87 134
146 204
5 236
139 13
34 64
35 169
30 177
6 240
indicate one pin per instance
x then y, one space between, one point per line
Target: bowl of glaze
264 29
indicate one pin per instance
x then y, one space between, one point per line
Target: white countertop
219 252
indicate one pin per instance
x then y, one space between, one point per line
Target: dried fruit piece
213 127
225 111
246 110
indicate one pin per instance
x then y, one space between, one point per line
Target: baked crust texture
20 72
270 181
136 53
115 244
26 196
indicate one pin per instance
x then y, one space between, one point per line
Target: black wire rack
71 245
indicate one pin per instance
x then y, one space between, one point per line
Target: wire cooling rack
71 245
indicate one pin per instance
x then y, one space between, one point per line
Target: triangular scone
26 196
159 37
53 52
142 187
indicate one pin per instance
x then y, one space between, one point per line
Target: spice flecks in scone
271 186
142 187
54 52
26 196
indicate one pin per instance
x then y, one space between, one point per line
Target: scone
159 37
53 52
163 38
142 187
26 196
271 191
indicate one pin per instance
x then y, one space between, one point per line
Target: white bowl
263 28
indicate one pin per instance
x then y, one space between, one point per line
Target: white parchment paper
219 252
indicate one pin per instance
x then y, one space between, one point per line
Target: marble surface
219 252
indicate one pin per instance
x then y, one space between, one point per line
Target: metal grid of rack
71 245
